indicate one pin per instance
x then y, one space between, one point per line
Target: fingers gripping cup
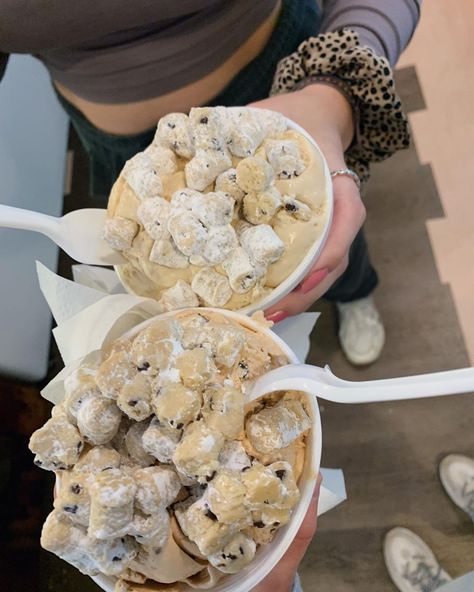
205 491
228 207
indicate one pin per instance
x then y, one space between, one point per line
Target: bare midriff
133 118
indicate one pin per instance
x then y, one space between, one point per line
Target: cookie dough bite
221 242
151 529
259 208
215 208
145 352
178 296
188 233
135 397
273 122
163 159
269 517
77 391
246 132
114 556
225 496
276 427
119 233
69 542
223 410
185 198
212 287
142 177
254 174
243 275
233 456
238 553
153 214
253 359
57 445
223 340
291 493
295 208
176 405
97 459
195 367
203 169
208 128
262 244
198 451
227 182
174 132
263 487
157 488
161 440
285 158
114 373
134 445
201 526
98 420
73 500
112 496
165 252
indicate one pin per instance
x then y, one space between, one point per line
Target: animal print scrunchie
382 127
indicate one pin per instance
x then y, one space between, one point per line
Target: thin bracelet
347 173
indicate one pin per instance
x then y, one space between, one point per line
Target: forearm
384 25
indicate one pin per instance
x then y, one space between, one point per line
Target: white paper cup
267 555
308 261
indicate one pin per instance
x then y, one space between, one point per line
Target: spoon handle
322 383
11 217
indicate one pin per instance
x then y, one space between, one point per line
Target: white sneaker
361 331
457 476
411 563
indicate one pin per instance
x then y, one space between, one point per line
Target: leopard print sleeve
382 127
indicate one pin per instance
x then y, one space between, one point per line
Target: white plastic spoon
322 383
77 233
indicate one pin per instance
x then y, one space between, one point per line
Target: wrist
338 112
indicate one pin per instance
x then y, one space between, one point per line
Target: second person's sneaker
361 331
411 564
457 476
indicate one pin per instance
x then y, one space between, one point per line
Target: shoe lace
424 575
469 497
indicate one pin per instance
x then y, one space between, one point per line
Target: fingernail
278 316
313 280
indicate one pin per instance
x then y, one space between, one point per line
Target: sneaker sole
393 538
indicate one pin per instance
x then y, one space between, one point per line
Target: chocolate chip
143 367
289 207
175 145
259 524
80 446
232 557
122 541
38 463
70 509
116 558
266 502
106 469
241 550
76 488
211 515
245 469
179 426
223 555
276 524
280 474
157 550
133 402
172 422
210 477
204 120
171 125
